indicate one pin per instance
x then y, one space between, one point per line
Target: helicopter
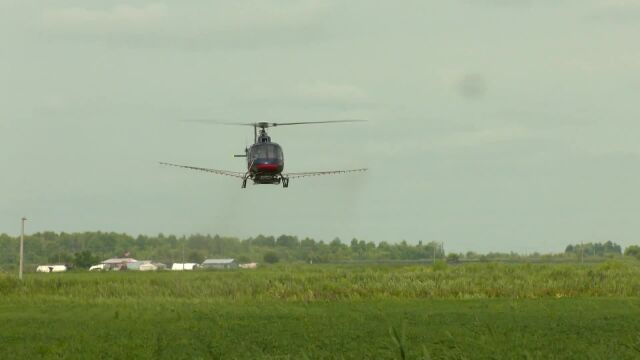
265 159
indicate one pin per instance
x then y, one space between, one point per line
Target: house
219 264
118 263
145 265
119 260
184 266
136 264
51 268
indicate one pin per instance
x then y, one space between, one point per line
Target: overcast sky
494 125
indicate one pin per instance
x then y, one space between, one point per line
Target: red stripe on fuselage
267 167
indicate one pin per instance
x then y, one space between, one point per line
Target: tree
61 258
594 249
633 250
262 240
271 257
85 259
335 244
308 243
196 257
453 258
471 255
287 241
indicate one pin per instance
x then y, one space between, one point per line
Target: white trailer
184 266
51 268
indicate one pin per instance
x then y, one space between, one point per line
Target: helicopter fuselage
265 162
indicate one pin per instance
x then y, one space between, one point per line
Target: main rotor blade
316 122
215 122
264 124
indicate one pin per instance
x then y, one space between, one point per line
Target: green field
473 311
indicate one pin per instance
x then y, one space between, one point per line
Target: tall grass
327 283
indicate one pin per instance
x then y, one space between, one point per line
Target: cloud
234 23
617 11
501 3
618 3
481 137
446 142
472 86
325 94
269 14
112 18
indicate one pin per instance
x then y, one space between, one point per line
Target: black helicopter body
265 159
265 162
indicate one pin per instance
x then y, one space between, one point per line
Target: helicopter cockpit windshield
269 151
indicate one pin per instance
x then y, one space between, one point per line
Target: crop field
471 311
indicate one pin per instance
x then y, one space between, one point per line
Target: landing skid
276 180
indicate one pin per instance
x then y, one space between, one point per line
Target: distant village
127 263
56 252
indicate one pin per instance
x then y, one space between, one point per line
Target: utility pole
183 253
21 248
581 252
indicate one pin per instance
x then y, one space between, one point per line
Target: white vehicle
99 267
185 266
51 268
248 266
152 266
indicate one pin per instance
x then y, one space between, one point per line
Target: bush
271 257
453 258
8 283
440 265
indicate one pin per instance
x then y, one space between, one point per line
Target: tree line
594 249
88 248
91 247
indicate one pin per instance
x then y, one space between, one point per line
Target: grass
330 283
475 311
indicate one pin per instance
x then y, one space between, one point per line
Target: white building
118 263
220 264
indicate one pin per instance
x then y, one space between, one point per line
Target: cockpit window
266 151
259 152
274 152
